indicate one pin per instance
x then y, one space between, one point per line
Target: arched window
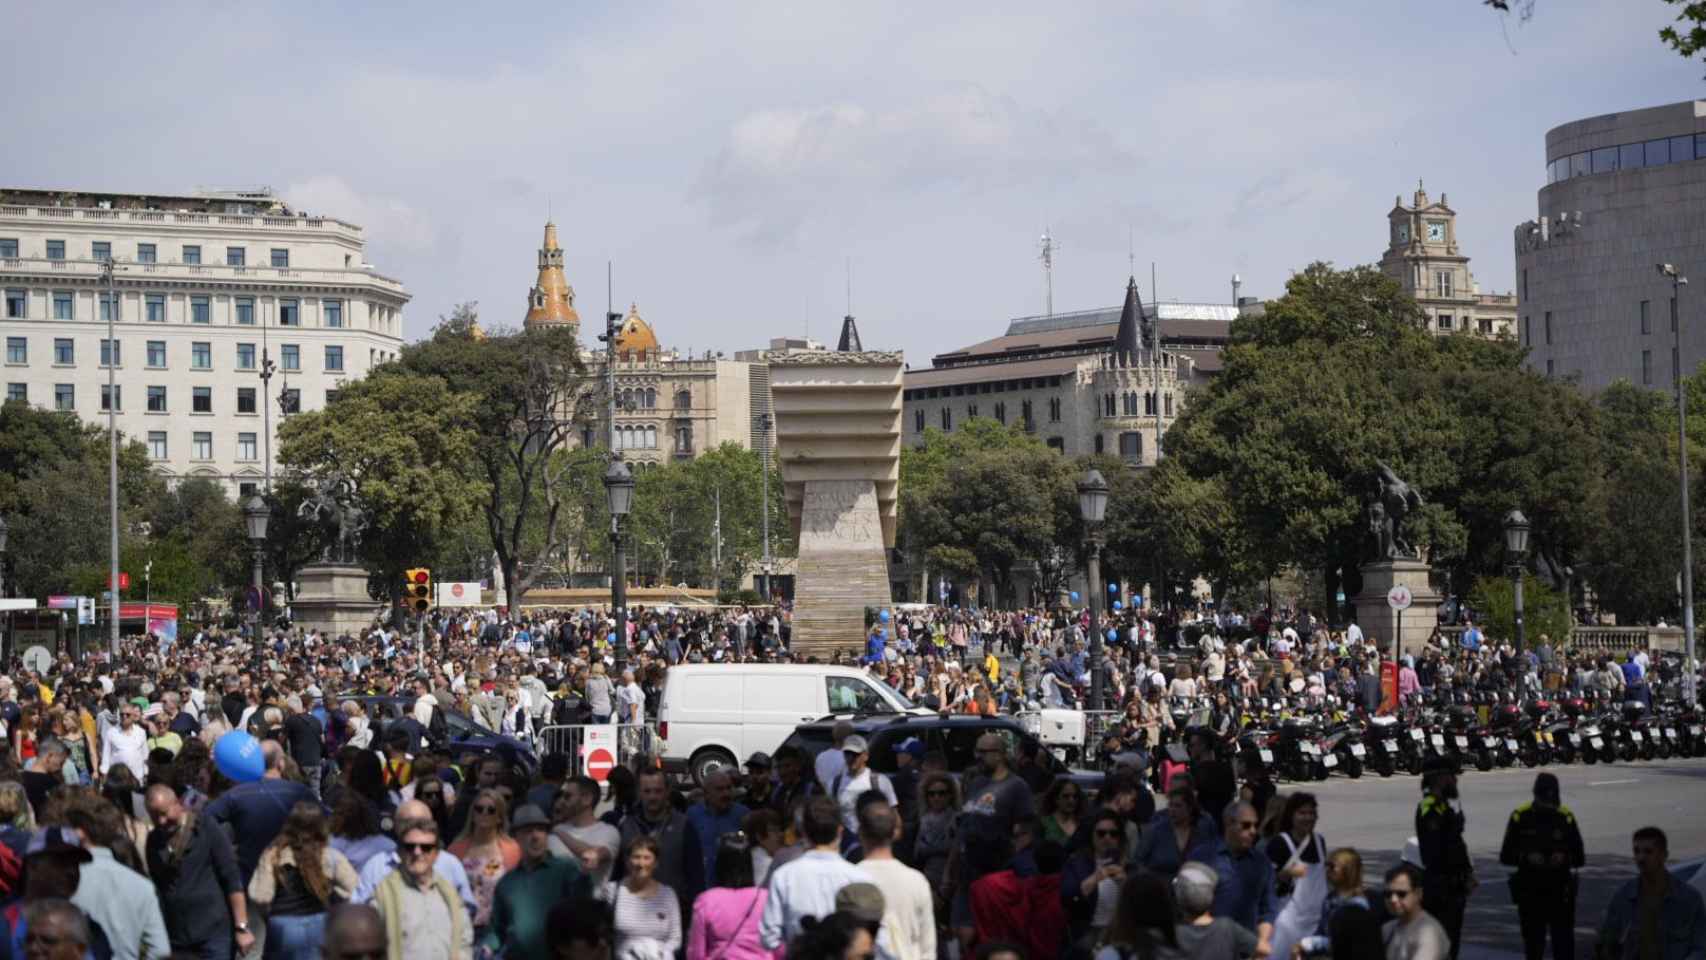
625 399
683 400
651 438
651 398
1169 404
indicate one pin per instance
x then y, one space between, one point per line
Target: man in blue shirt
1245 893
255 811
715 815
1471 636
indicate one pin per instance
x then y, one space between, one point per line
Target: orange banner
1388 687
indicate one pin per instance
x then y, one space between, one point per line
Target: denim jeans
295 937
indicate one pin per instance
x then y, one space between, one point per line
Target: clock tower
1423 256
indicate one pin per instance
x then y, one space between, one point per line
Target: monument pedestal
332 598
1379 622
843 567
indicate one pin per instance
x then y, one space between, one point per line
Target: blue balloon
1116 604
883 616
238 755
1113 588
1075 596
610 639
1113 634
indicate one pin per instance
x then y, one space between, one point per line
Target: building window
245 356
112 397
1001 412
1525 283
1485 325
683 400
157 444
246 447
17 304
1445 321
1057 444
1647 367
245 311
201 355
64 396
101 250
9 248
331 397
108 314
145 253
1169 404
157 399
18 391
192 254
333 311
1549 368
154 307
112 353
1099 443
1528 331
289 313
201 311
651 394
246 490
245 399
1548 319
1054 410
201 445
1442 283
1149 403
1131 446
201 399
971 410
62 307
156 353
334 359
235 256
918 421
280 257
290 357
290 401
17 350
947 419
64 351
1025 412
56 249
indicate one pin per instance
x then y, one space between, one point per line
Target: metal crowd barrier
632 739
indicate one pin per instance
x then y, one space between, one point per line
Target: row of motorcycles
1296 740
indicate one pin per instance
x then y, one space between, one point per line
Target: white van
714 715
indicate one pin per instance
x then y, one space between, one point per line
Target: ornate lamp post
255 517
619 491
1677 282
1093 506
1516 550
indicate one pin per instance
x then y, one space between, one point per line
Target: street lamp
619 491
1516 549
1677 282
1093 506
765 421
255 517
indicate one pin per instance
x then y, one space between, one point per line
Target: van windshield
866 694
899 697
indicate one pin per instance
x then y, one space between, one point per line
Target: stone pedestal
838 444
1379 622
332 598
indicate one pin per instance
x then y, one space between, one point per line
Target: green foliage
680 507
1545 611
1691 38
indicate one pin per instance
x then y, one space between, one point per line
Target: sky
737 162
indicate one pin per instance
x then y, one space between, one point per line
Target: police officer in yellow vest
1450 874
1544 844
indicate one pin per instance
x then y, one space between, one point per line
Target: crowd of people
125 831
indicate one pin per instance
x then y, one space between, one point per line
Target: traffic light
417 589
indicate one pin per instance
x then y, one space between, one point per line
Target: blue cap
911 745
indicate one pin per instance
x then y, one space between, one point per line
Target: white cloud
389 223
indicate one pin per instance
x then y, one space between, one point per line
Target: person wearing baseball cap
524 897
760 788
857 778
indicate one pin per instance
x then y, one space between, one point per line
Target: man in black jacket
1450 874
1544 844
194 870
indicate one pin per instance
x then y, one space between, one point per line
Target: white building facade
213 292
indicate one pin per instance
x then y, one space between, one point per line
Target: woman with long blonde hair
487 852
299 878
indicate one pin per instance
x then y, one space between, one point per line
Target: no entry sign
599 762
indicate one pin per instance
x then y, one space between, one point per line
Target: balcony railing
269 223
200 271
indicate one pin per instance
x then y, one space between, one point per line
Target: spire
1126 345
551 302
849 337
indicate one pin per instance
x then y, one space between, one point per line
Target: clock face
1403 233
1436 231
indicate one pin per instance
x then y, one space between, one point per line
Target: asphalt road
1376 817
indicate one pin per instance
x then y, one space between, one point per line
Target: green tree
392 434
1544 610
529 396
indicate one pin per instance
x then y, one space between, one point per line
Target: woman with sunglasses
487 852
726 917
1090 882
936 833
648 913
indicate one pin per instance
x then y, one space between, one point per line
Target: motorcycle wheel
1531 758
1383 766
1626 752
1590 756
1320 771
1483 760
1353 768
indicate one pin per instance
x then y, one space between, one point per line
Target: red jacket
1021 910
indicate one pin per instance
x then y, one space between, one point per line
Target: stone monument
1393 561
331 594
838 443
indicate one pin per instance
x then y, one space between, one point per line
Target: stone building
1624 193
1423 256
234 311
669 405
1095 381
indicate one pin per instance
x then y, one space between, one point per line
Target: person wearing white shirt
1353 633
806 885
126 743
855 780
909 914
830 763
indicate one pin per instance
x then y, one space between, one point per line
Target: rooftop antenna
1047 257
1131 249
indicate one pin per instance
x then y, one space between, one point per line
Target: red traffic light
422 576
